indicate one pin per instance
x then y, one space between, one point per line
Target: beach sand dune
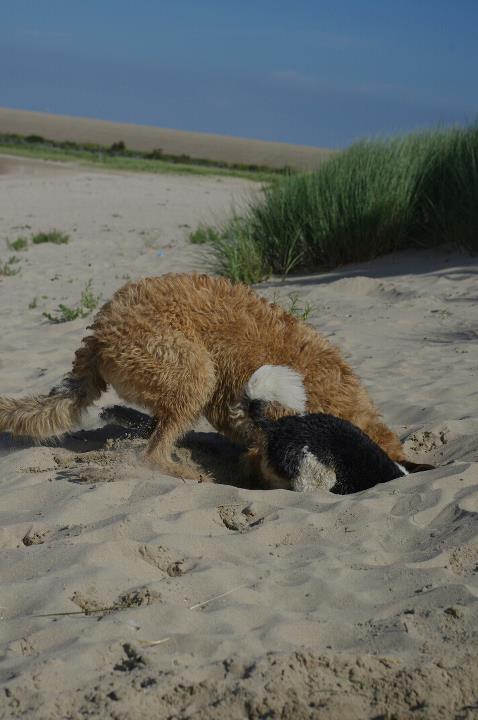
217 148
126 593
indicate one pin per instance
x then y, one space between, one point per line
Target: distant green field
118 157
415 191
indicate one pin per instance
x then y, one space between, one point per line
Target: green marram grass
203 235
56 237
416 191
235 253
21 243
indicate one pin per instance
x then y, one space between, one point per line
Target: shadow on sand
440 261
216 454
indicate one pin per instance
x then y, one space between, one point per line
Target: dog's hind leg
189 385
169 375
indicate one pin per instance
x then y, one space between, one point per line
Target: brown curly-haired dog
184 346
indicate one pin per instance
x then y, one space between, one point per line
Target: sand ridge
137 593
218 148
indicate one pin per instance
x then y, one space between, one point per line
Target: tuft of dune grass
420 190
19 244
52 236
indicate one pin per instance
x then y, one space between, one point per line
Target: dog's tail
274 384
44 416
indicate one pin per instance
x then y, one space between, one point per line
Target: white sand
327 606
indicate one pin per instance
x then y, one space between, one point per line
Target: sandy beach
126 593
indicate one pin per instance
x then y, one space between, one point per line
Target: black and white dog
309 451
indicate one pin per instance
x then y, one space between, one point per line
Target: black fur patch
359 463
256 409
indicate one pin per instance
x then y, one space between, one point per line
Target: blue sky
321 73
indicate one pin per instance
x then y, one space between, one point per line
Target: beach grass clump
448 208
51 236
419 190
235 252
88 303
56 237
204 234
20 244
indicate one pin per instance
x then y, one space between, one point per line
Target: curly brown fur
184 346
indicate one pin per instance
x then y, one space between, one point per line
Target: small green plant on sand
88 302
293 307
298 311
8 267
33 304
21 243
52 236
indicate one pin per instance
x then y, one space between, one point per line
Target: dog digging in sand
309 451
185 345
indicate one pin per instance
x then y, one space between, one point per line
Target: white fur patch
400 467
277 383
313 475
